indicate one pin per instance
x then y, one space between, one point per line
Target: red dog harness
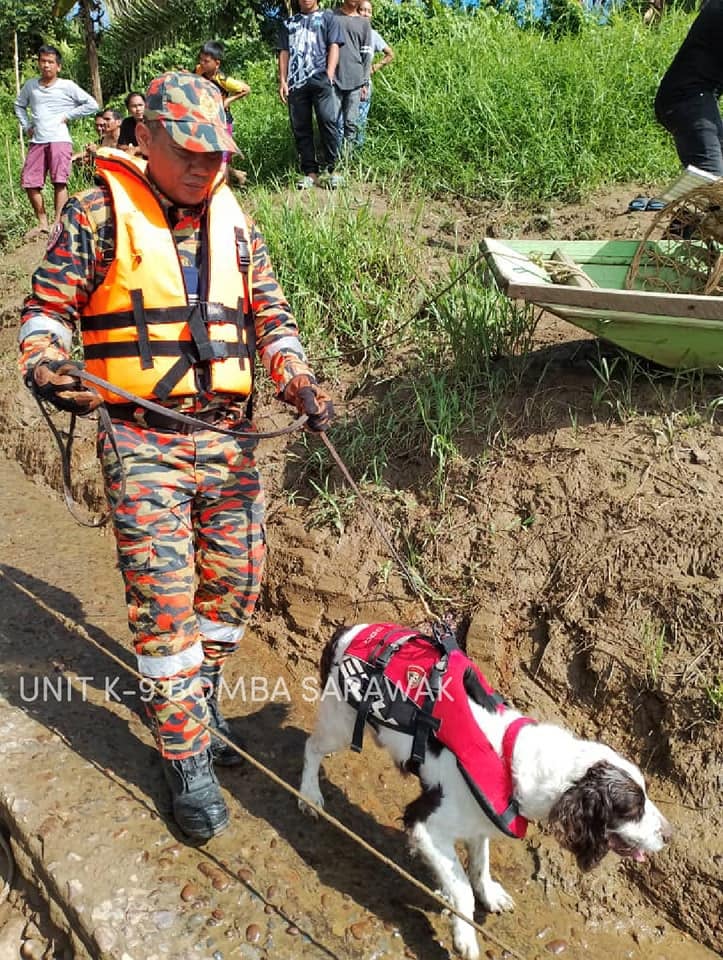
421 685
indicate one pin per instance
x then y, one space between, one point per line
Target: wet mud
588 557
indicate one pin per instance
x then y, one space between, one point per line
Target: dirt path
589 553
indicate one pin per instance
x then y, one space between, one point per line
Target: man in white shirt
44 107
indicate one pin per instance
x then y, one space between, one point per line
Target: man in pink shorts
44 107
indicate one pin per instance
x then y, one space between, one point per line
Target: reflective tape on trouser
220 633
189 531
170 666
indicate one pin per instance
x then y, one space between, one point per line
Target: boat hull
675 330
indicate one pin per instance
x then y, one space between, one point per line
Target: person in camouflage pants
134 265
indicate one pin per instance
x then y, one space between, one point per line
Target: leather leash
412 578
65 446
90 378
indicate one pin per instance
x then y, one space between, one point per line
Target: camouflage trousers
189 529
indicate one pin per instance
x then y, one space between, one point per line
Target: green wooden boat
586 283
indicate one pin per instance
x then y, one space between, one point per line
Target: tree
29 20
142 25
89 14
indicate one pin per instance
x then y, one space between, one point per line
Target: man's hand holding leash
304 393
50 380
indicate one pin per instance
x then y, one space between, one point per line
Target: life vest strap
178 348
474 689
357 738
444 636
379 658
139 319
245 322
214 313
427 724
511 811
444 639
165 385
207 349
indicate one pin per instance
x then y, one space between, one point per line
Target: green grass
715 695
475 105
345 270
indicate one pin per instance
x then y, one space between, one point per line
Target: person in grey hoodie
354 69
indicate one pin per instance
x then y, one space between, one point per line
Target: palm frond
143 24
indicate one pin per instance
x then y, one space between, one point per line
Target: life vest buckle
212 350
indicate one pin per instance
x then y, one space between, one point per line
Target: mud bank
587 557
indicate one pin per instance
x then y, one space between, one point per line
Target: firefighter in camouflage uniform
172 294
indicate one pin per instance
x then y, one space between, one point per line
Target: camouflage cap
191 110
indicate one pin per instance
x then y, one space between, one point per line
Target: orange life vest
139 329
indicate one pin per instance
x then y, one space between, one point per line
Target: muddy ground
586 556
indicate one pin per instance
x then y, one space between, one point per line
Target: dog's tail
327 655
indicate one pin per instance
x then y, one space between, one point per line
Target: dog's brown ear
599 801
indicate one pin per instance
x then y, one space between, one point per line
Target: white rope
81 632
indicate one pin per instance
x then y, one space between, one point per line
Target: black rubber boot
222 754
198 806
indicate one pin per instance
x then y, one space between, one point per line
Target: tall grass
475 105
349 273
500 112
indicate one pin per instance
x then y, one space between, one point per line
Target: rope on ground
80 631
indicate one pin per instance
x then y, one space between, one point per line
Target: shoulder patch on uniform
56 232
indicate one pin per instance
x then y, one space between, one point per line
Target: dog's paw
465 942
309 810
496 898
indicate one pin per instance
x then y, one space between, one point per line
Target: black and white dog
592 799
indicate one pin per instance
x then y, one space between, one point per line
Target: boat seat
570 273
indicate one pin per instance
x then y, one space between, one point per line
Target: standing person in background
209 66
172 292
44 107
135 105
354 70
379 45
686 103
308 47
